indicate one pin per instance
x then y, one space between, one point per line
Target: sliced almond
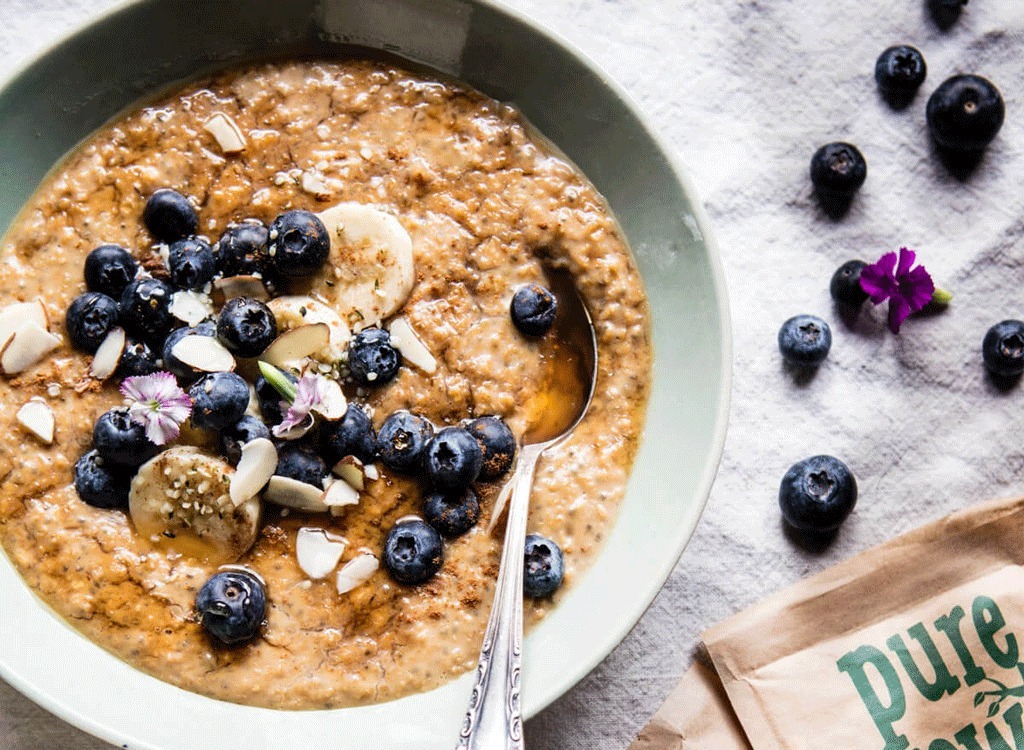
14 316
372 472
299 430
333 404
30 343
37 417
226 132
241 286
405 340
108 356
297 344
294 494
191 307
356 571
318 551
204 353
339 494
499 505
255 468
352 471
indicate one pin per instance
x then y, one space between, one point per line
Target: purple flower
313 393
158 404
907 289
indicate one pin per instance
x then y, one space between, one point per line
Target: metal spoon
494 719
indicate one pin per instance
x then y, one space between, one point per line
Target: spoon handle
494 720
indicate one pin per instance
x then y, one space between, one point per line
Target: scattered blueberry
453 458
965 112
145 310
544 567
270 399
402 441
122 441
413 552
246 326
169 216
298 244
232 606
298 461
804 340
838 169
945 12
533 309
372 360
137 359
109 269
1003 349
218 400
452 514
242 249
174 365
817 494
192 263
352 435
900 70
101 484
89 319
497 444
233 438
845 286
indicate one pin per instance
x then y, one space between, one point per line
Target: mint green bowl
76 86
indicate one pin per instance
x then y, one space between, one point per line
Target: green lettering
1012 716
944 681
941 745
967 737
884 716
950 625
988 621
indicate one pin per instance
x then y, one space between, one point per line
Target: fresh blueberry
352 435
533 309
218 400
945 12
232 606
89 319
270 398
246 326
169 216
544 567
817 494
497 444
121 440
1003 349
192 263
299 244
109 269
838 169
233 438
413 552
298 461
372 360
804 340
101 484
402 441
137 359
453 458
174 365
242 249
452 514
965 112
900 70
145 310
845 286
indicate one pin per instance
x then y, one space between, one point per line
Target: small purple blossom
158 404
907 289
313 393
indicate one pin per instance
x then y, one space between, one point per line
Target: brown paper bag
695 716
914 644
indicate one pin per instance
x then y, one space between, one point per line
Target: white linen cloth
745 91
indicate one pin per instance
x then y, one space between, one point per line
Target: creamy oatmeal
486 205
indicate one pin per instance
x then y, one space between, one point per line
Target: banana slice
292 311
370 272
180 500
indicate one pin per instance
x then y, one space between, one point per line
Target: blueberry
838 169
145 310
965 112
242 249
452 514
137 359
192 263
900 70
945 12
169 216
299 462
544 567
246 326
122 441
89 319
101 484
413 552
533 309
1003 349
232 606
299 244
109 269
372 360
497 444
402 441
233 438
174 365
453 458
804 340
817 494
270 399
218 400
352 435
845 286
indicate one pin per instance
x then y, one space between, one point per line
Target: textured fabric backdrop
744 91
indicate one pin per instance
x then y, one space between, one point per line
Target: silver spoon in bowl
494 719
